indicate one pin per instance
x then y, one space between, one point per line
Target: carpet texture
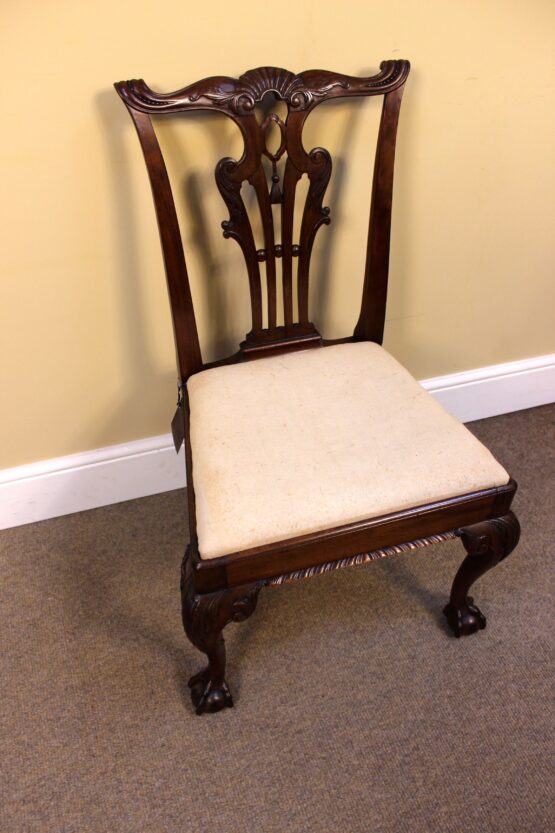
356 711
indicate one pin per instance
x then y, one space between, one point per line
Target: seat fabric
310 440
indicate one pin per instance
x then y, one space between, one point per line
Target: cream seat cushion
306 441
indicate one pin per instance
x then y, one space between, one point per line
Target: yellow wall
87 355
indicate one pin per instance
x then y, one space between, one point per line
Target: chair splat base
487 543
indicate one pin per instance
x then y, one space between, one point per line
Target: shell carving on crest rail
239 95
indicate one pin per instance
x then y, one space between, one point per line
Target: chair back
274 176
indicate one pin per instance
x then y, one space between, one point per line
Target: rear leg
487 543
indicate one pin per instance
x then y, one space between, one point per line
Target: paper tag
178 428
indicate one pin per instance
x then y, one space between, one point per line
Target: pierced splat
229 175
237 99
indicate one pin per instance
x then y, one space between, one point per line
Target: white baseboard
497 389
78 482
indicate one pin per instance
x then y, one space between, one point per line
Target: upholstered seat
314 439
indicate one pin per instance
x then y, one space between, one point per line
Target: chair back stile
237 99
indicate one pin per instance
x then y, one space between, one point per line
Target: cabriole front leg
205 615
487 543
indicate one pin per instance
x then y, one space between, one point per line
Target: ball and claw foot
466 619
207 696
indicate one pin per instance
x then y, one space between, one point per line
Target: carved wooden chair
305 455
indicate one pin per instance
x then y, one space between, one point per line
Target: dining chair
303 454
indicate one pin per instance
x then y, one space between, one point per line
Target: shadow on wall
321 270
405 297
146 388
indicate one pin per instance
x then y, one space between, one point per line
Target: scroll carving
238 227
314 216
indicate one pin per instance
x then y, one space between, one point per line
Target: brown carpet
355 710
